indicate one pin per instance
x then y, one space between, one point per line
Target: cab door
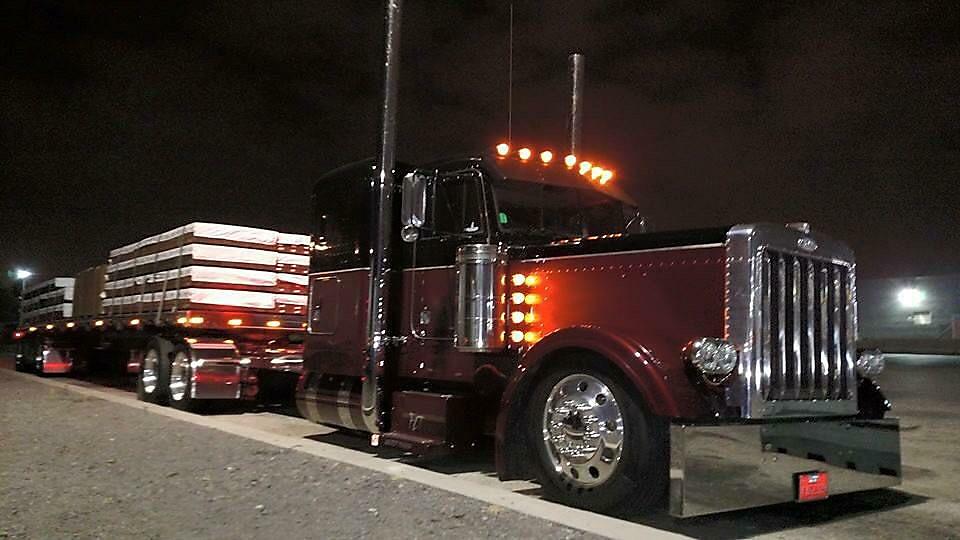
457 213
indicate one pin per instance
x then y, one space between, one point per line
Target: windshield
560 211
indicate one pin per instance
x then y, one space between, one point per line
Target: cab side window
456 207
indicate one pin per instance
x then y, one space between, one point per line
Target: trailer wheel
181 381
597 448
149 387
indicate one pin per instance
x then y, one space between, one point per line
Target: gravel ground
78 467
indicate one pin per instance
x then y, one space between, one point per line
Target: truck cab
527 304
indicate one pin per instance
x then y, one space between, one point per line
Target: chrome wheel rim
179 373
583 430
148 375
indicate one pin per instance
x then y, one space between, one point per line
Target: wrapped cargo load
204 266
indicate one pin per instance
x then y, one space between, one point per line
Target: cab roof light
585 167
606 177
503 149
570 161
596 173
546 156
524 153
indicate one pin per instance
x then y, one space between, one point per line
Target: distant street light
23 276
911 297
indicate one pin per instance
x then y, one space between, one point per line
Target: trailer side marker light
195 320
182 320
235 322
517 298
98 323
546 156
524 153
503 149
49 327
570 161
516 336
134 322
273 324
518 279
71 324
517 317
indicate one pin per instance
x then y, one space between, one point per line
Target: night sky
123 119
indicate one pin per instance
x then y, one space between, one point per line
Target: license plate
812 486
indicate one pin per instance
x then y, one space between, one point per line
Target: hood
615 243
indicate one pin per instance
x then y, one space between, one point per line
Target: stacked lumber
204 266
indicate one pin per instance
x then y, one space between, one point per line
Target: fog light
870 363
714 358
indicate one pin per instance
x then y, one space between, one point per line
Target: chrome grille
805 320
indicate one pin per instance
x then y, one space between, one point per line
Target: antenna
510 83
576 101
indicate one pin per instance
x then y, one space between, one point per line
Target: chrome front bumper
721 467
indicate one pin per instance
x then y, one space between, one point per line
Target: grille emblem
806 244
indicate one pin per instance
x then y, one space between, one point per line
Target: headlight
712 357
870 363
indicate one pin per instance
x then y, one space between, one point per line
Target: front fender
663 389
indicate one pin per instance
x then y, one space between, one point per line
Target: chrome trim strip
782 324
795 328
651 250
425 268
811 356
837 347
823 292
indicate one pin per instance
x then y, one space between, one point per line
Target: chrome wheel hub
148 375
583 430
179 373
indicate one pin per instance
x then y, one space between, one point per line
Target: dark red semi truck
614 366
512 296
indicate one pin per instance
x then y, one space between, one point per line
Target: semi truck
512 295
200 314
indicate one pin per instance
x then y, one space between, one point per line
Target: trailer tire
152 375
597 447
181 381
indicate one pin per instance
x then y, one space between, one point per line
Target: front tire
596 446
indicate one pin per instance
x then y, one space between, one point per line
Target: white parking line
493 494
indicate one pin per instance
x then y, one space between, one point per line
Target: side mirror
413 208
636 223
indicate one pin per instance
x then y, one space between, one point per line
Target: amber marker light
516 336
518 279
234 322
134 322
530 318
570 161
546 156
273 324
503 149
531 299
49 327
606 177
98 323
531 337
585 167
228 341
32 329
517 317
182 320
517 298
195 320
524 153
532 280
